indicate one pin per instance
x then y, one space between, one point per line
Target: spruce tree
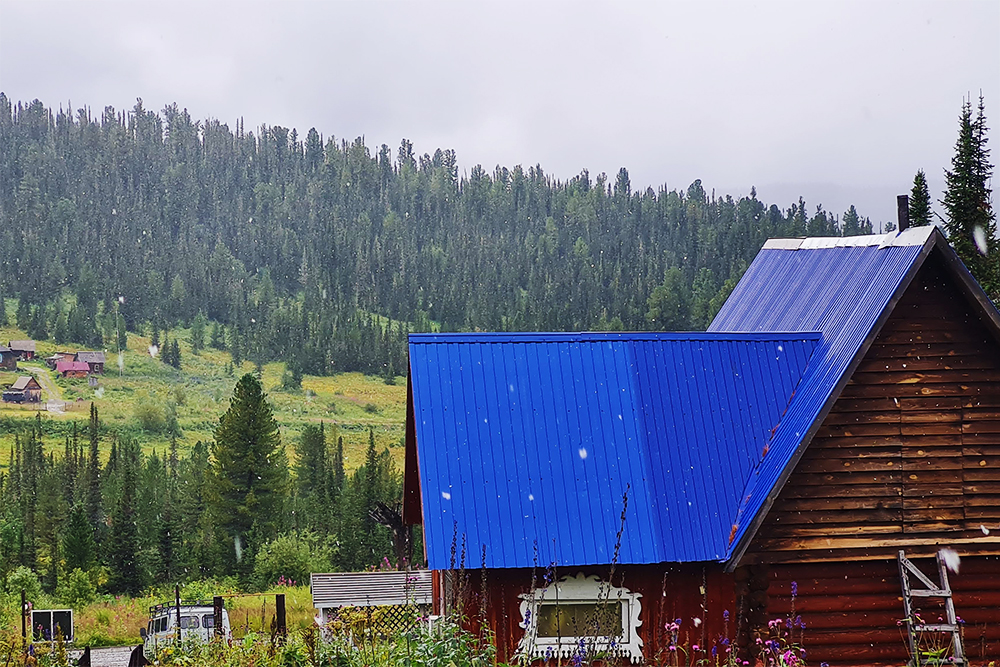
249 473
920 201
198 333
969 220
93 487
123 551
79 549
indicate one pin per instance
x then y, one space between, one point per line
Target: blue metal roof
840 287
527 442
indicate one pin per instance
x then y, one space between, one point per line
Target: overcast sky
840 102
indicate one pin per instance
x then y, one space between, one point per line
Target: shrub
78 589
292 558
24 579
150 415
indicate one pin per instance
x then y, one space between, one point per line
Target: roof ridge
908 237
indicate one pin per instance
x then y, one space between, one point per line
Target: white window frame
581 589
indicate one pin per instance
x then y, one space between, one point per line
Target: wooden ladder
915 626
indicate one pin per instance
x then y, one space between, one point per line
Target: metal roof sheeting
840 289
528 442
371 589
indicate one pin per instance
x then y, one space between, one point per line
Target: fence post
279 603
24 613
217 614
177 599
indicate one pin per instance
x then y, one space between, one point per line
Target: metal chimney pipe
903 212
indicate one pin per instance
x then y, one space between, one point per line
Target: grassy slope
201 390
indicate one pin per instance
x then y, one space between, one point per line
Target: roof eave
934 239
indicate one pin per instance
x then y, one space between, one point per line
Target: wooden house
8 360
72 369
713 489
24 390
57 357
24 349
94 360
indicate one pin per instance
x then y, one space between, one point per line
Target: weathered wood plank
845 491
830 519
921 350
863 478
888 500
971 389
855 465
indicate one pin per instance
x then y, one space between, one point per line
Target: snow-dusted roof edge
912 236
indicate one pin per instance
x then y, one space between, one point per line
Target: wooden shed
771 478
24 349
8 360
94 360
24 390
57 357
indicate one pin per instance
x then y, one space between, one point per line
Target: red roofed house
73 369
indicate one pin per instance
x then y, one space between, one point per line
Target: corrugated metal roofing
65 366
840 287
371 589
528 442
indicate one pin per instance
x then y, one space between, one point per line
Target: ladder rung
936 627
920 593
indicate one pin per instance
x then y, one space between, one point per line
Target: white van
197 623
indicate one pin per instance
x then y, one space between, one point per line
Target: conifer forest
324 253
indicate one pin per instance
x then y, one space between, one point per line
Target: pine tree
920 201
970 221
249 473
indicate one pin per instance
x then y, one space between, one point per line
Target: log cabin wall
909 456
669 592
851 609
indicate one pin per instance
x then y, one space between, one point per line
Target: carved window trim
581 589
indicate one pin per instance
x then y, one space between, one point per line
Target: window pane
584 619
189 622
208 621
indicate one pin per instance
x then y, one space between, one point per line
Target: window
208 621
580 614
189 622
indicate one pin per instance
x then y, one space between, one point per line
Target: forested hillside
302 247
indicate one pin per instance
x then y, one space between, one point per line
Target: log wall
851 609
669 592
909 456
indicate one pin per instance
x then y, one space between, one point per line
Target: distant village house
73 369
24 390
8 360
95 361
57 357
24 349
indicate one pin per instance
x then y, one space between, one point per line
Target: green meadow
143 397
